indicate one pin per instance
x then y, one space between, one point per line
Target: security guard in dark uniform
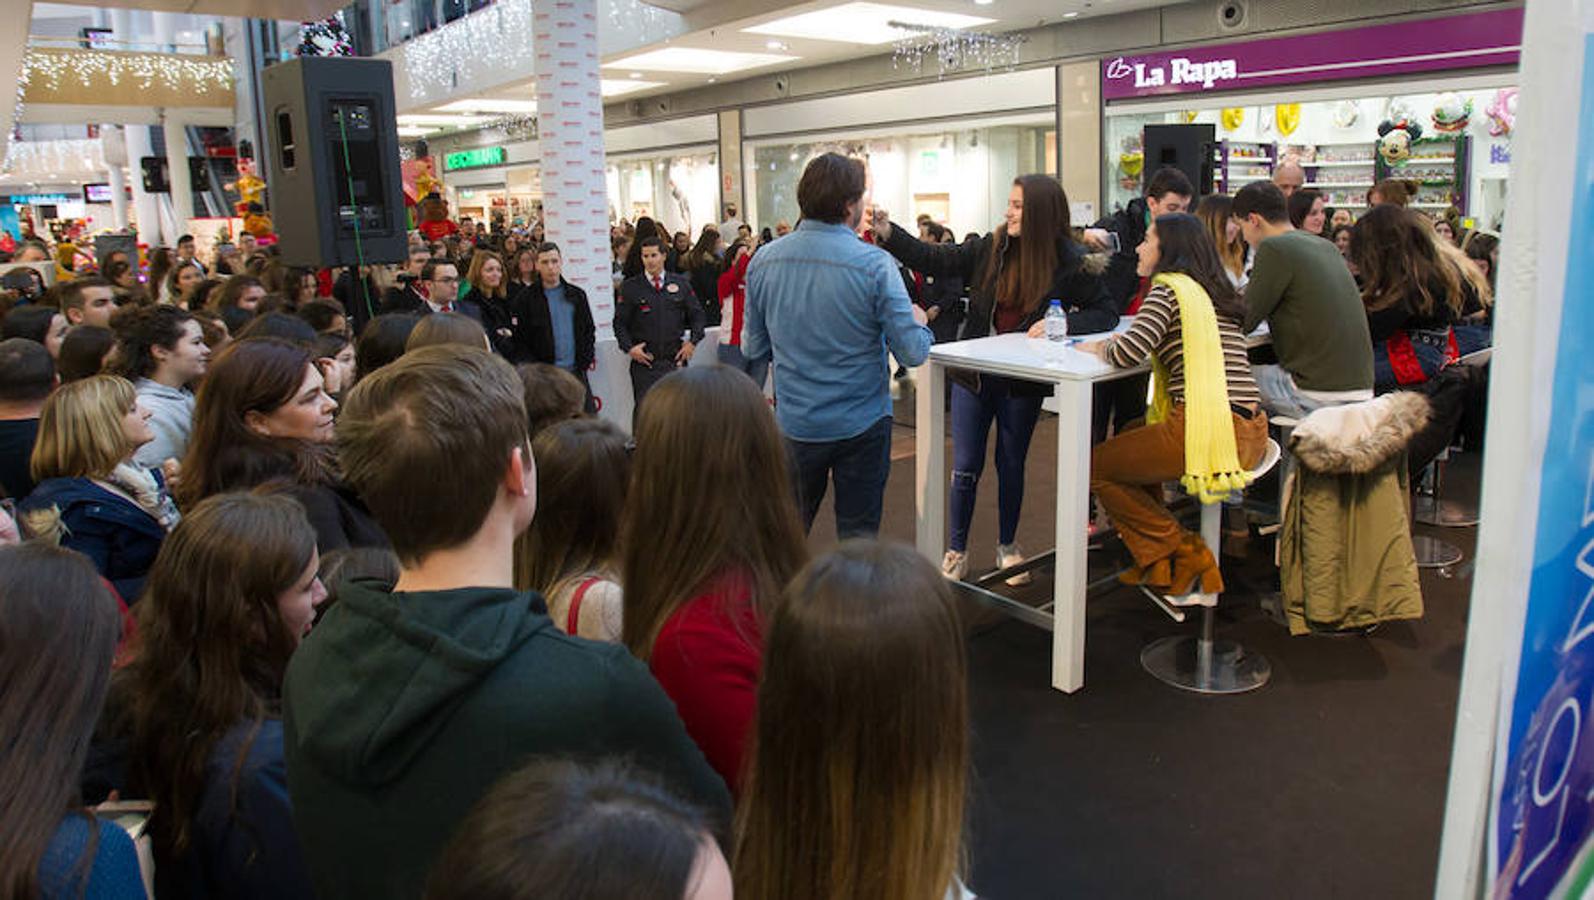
653 310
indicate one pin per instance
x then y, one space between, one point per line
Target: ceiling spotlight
983 2
636 74
713 78
1066 15
775 45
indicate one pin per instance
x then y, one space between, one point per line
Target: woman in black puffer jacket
1013 275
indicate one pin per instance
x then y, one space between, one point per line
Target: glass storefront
1462 163
959 177
679 189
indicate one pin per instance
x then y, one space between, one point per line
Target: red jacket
733 284
707 658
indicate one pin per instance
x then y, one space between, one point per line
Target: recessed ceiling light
983 2
614 87
775 45
1070 15
864 23
636 74
713 78
703 62
486 105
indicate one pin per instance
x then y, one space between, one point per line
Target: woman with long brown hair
1215 212
231 596
1205 428
59 627
1014 273
263 417
570 552
1413 292
709 537
702 266
855 790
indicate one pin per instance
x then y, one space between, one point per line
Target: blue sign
1545 798
25 199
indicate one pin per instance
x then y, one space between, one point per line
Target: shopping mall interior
1370 686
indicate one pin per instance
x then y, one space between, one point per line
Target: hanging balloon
1132 163
1346 112
1288 117
1233 117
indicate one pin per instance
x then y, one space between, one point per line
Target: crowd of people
339 575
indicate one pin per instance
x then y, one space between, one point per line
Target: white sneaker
1010 555
955 564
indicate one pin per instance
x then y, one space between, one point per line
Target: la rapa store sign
1473 40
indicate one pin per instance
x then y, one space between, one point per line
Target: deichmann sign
473 159
1400 48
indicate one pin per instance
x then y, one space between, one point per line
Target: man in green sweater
1302 288
409 701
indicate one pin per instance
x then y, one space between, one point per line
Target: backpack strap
573 617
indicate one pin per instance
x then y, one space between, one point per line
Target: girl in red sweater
710 537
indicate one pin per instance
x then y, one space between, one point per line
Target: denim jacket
829 306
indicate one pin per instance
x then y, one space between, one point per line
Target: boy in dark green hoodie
408 702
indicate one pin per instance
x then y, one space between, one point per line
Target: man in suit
408 295
440 280
653 310
552 321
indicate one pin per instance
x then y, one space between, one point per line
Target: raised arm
932 259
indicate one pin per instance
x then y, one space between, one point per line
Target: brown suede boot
1195 569
1157 575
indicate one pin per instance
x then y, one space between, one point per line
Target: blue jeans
756 369
858 466
972 415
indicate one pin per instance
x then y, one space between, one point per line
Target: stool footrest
1205 667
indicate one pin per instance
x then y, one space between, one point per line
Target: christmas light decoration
50 70
439 61
54 160
954 50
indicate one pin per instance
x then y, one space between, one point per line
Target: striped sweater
1157 329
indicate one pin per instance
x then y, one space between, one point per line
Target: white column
177 166
570 135
165 31
118 182
144 204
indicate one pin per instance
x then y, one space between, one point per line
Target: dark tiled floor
1328 782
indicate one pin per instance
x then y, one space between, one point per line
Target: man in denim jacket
829 306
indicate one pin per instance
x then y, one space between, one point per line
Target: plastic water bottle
1056 322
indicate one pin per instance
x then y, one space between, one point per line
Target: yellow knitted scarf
1211 462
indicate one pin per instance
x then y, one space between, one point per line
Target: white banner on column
570 134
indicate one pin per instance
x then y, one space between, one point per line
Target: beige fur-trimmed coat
1345 554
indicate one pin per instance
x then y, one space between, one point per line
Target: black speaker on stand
1187 148
332 161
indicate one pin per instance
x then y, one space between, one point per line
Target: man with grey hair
1289 176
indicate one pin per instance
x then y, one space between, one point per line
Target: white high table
1074 373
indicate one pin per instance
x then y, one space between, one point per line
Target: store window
681 190
960 178
1462 158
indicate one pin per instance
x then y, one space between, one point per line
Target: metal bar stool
1431 507
1201 663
